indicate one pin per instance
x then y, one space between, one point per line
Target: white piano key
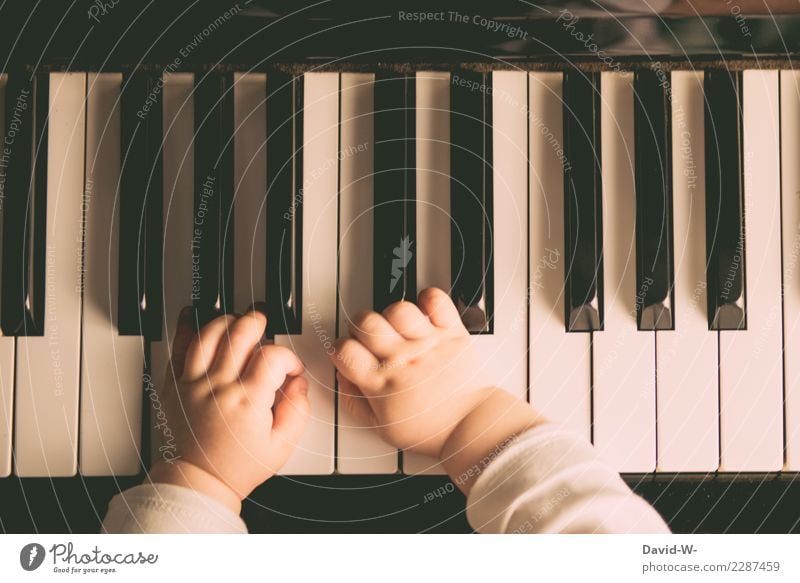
433 180
623 358
6 402
112 365
433 205
686 357
6 348
250 186
46 420
315 452
178 225
559 362
751 364
506 350
360 450
790 187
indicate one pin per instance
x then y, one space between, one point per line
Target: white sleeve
166 508
548 480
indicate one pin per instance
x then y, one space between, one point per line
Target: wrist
495 420
184 473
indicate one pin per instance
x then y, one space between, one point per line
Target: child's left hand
237 409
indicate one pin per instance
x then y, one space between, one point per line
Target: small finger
237 345
184 333
438 306
269 366
356 363
408 320
376 334
290 418
203 348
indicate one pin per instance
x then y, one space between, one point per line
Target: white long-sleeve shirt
545 481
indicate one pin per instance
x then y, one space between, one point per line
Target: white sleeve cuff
549 480
166 509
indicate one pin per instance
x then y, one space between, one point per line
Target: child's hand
413 374
410 372
238 408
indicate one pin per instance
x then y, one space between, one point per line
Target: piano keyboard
623 247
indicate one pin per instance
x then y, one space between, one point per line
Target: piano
611 195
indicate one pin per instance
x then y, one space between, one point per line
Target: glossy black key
140 246
284 203
212 242
655 281
724 201
583 234
394 221
471 198
25 203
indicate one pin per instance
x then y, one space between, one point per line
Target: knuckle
400 311
364 318
243 329
346 345
344 349
397 308
372 323
231 397
214 378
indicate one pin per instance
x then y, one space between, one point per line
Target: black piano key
583 232
38 209
37 212
724 201
212 241
134 171
140 246
394 221
655 280
25 203
17 160
471 198
284 203
154 223
227 187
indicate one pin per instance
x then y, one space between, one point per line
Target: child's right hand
413 374
410 372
